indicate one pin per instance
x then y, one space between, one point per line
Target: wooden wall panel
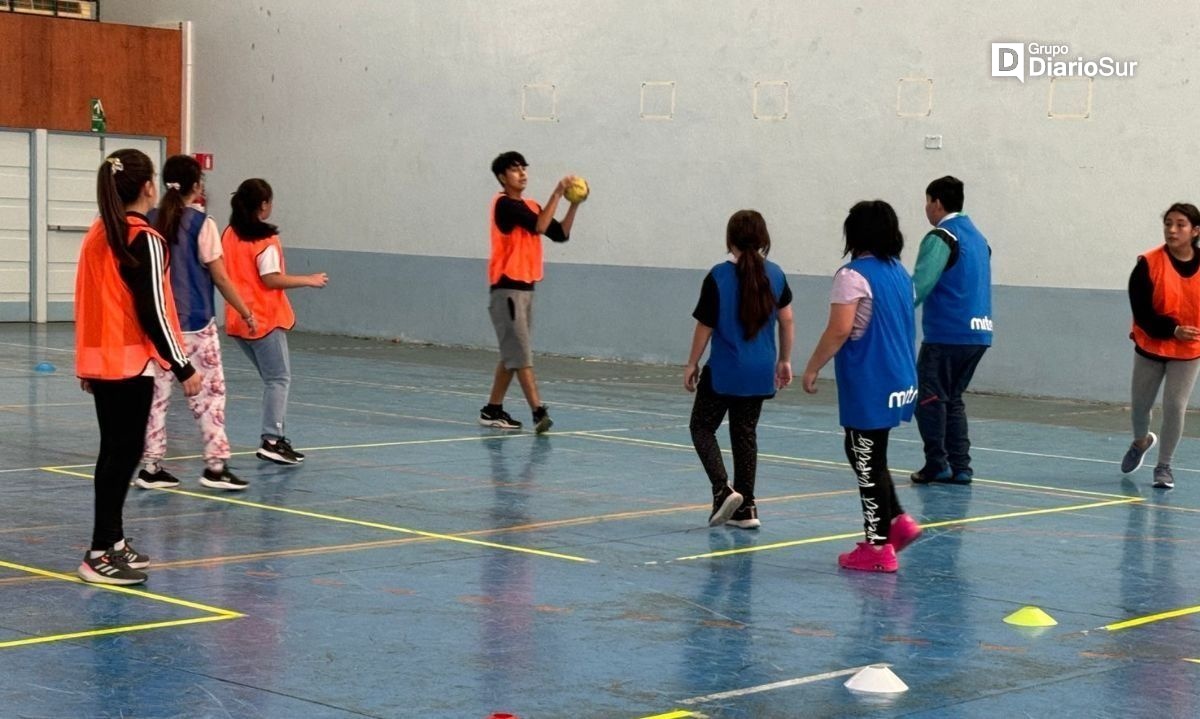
50 68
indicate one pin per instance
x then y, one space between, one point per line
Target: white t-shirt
209 241
849 286
269 262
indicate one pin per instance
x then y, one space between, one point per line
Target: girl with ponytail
743 303
254 258
196 268
125 329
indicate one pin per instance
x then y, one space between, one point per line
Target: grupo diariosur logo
1025 60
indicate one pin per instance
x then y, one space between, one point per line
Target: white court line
413 388
45 404
974 447
380 413
36 347
368 445
461 393
777 685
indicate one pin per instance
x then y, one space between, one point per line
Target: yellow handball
577 191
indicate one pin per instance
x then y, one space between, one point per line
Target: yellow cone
1030 617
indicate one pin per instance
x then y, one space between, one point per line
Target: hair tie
173 186
116 164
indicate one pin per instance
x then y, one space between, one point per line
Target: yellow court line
116 630
227 613
931 525
66 471
216 614
1071 490
597 518
369 445
379 525
690 448
358 522
1139 621
1193 661
382 543
674 715
822 462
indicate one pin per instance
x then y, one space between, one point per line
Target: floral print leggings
208 407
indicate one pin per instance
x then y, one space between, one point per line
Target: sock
119 546
494 407
152 467
95 554
215 465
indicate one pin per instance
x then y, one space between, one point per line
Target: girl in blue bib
742 302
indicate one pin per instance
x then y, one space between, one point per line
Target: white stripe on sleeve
157 269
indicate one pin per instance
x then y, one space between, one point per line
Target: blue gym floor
418 565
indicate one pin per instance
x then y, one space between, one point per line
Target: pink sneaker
904 532
867 557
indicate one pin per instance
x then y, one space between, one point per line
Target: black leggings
122 408
867 451
707 413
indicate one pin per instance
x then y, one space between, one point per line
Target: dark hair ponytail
119 183
180 176
246 202
747 231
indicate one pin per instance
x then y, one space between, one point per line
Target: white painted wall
376 121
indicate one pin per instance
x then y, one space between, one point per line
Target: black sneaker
495 416
541 420
162 479
222 479
279 452
131 556
926 476
108 569
746 517
288 445
725 502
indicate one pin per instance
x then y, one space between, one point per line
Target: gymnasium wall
376 122
51 68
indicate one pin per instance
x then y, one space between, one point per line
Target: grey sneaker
1132 461
1163 479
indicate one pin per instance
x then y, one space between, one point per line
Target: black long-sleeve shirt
145 282
511 214
1141 299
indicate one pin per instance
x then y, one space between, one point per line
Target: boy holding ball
517 224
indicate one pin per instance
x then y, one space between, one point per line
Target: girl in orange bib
1164 294
254 261
125 323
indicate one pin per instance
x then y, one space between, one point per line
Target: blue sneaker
961 476
1132 461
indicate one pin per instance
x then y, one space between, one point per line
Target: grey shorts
512 316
